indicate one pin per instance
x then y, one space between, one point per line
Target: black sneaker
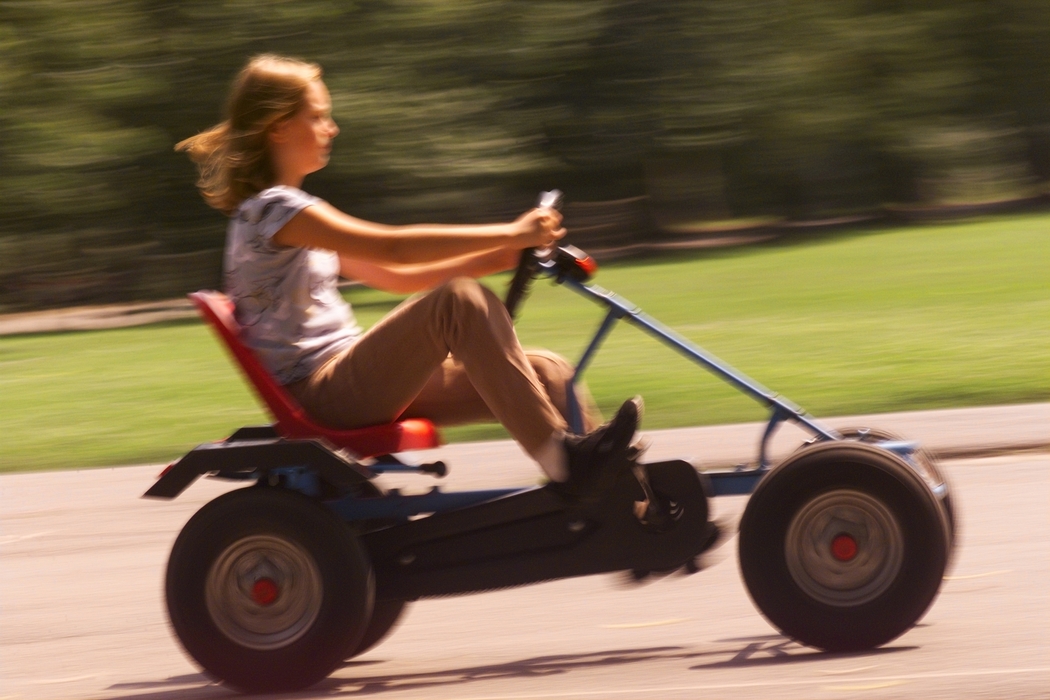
594 458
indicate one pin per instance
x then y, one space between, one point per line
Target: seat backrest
291 419
218 309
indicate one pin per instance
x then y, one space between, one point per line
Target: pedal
654 513
715 535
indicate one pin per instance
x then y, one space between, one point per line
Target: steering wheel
521 282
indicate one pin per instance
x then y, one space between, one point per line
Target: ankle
553 458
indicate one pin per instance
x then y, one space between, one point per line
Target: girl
450 354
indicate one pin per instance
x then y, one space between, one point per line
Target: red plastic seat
291 420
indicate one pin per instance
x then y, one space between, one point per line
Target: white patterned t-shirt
286 299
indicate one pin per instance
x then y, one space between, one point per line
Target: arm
406 279
323 226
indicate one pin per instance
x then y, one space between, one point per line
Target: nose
333 128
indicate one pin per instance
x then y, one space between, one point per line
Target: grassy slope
873 321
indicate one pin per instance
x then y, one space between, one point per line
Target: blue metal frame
618 308
393 505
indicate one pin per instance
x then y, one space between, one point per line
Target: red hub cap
264 591
844 547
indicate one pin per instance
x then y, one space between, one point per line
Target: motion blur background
659 119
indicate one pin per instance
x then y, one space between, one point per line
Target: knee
467 294
554 374
552 369
461 286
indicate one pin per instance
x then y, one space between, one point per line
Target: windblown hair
233 157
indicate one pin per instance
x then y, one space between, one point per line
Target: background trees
462 110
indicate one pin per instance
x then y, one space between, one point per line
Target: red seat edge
374 440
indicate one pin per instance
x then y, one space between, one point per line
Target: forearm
323 226
406 279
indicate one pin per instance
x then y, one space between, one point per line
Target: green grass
868 321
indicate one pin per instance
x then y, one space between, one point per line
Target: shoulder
287 195
273 202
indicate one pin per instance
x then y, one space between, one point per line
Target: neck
284 170
289 180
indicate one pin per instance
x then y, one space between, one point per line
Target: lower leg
449 396
556 373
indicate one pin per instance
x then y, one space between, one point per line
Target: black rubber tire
326 589
386 614
902 546
926 462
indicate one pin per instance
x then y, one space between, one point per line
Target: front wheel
843 547
923 460
268 590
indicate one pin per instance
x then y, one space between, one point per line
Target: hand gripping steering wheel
525 272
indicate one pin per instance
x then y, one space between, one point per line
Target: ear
278 132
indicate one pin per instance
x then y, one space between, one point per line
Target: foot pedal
654 513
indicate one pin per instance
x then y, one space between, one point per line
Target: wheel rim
844 548
264 592
919 459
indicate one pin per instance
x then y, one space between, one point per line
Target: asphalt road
81 614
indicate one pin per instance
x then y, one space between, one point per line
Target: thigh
378 376
449 398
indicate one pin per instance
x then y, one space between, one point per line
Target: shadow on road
757 651
734 653
771 650
191 686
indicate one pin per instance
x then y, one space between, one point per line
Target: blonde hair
233 156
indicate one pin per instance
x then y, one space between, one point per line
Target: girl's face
302 144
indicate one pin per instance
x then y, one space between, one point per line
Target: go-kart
842 546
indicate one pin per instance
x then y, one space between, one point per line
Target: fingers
541 228
550 220
549 237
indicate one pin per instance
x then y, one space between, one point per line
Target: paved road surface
81 615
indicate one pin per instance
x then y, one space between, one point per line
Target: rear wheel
843 546
268 590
